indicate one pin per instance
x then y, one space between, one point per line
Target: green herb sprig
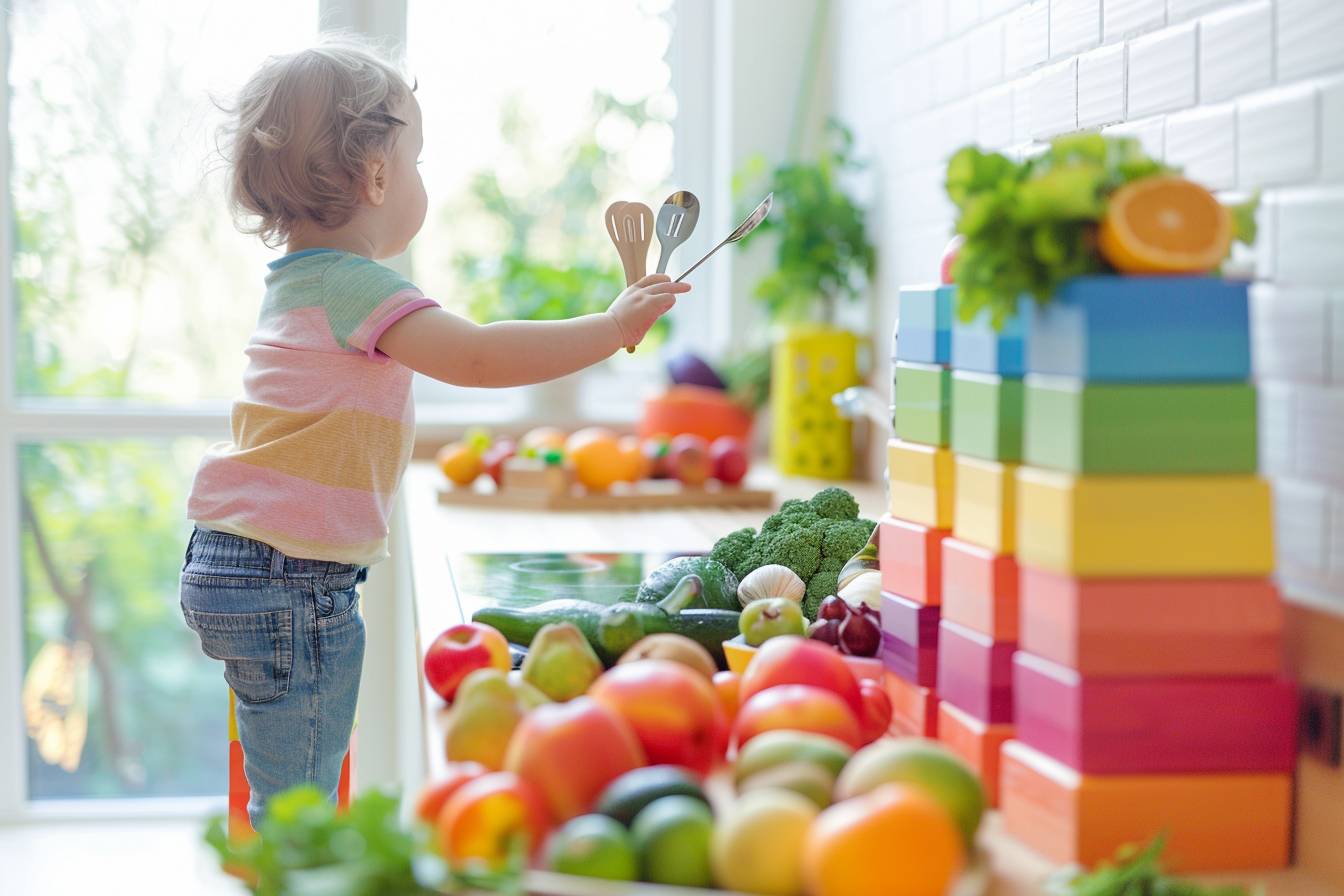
1134 872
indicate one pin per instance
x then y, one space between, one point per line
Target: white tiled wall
1242 93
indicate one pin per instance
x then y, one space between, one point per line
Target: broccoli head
813 538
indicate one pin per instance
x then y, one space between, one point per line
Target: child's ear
375 181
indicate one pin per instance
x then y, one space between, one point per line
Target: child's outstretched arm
454 350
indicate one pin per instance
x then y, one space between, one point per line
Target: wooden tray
657 494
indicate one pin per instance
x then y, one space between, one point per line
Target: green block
1085 427
987 416
923 394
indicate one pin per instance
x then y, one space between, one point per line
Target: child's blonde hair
301 133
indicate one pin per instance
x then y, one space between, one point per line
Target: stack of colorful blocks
1148 689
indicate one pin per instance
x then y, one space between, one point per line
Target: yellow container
920 483
986 512
1144 525
808 436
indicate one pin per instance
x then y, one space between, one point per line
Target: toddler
289 514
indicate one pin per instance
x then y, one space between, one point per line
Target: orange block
980 589
1221 822
977 743
914 709
910 558
1152 627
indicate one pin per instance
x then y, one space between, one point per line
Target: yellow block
921 478
1144 525
986 512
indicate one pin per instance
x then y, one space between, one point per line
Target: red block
975 673
1159 628
910 640
910 556
1155 725
980 589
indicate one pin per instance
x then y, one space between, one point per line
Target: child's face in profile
404 199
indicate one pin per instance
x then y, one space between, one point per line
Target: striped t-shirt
323 431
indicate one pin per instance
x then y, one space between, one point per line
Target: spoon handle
704 258
663 257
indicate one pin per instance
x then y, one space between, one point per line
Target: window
126 298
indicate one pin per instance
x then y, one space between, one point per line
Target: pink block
975 673
910 640
1155 725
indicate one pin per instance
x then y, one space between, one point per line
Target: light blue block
1142 329
978 347
925 333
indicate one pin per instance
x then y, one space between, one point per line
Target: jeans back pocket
257 649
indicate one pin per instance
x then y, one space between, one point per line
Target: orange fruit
460 462
634 464
894 841
596 461
1164 225
586 435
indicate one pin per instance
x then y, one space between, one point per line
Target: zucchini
613 629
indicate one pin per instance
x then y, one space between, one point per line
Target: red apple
877 710
797 707
433 797
729 458
727 684
673 710
950 258
461 650
571 751
688 458
482 821
791 659
494 458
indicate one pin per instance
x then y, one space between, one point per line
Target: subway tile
1162 71
1274 424
1309 234
1276 137
1334 545
1150 132
994 117
1181 10
930 22
1101 86
1309 37
1028 37
1266 237
1335 311
961 15
1122 18
951 71
1289 329
1235 52
986 55
1023 91
1203 142
1332 129
1075 25
1054 100
1300 518
991 8
1320 433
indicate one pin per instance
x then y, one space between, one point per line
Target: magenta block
975 673
1155 725
910 639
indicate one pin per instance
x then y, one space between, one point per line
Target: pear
482 719
526 691
561 663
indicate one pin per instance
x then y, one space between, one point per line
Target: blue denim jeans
292 640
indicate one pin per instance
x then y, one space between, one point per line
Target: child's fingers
669 287
651 279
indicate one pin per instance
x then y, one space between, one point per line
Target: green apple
762 620
921 763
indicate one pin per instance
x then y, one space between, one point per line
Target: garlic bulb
771 581
864 588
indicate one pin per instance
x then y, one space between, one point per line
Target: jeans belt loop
277 564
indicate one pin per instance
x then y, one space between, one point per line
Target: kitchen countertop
437 531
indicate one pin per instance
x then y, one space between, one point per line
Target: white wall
1243 93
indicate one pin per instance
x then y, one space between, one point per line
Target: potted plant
824 258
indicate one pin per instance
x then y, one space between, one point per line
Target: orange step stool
978 743
239 791
1218 822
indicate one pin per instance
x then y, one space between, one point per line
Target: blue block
925 333
978 347
1142 329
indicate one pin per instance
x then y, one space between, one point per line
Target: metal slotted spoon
676 222
751 223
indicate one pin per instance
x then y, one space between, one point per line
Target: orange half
1164 225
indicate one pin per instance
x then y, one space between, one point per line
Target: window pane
131 280
118 699
530 132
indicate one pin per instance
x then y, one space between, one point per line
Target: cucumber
718 584
631 792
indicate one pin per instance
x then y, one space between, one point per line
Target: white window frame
31 420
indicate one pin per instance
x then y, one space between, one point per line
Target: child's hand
640 306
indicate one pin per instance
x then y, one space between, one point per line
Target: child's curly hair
301 133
